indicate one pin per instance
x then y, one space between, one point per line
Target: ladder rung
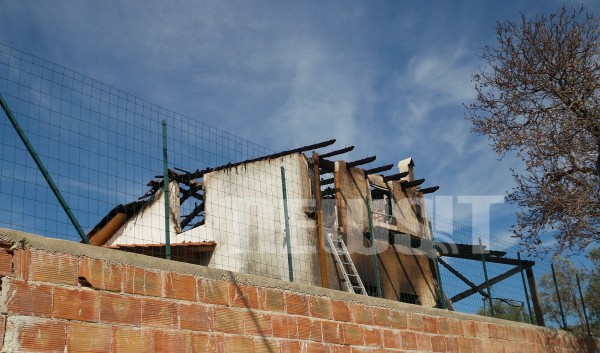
351 278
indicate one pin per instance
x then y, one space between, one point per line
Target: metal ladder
342 258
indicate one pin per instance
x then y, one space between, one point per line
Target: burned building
311 218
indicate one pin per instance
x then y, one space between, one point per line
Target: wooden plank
319 202
537 307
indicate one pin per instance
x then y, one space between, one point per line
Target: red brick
258 324
502 332
180 286
296 304
309 329
5 262
477 345
424 342
353 335
320 307
159 313
438 343
361 314
36 335
313 347
493 331
511 333
398 320
140 281
372 337
243 296
464 345
53 267
172 342
132 340
100 274
444 326
270 299
21 262
238 344
214 292
392 339
341 311
263 345
340 349
197 317
415 322
229 320
482 330
284 326
292 346
409 340
456 327
451 344
120 309
28 299
430 324
469 328
83 337
202 343
382 317
76 304
332 332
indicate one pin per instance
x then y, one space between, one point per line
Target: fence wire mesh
104 149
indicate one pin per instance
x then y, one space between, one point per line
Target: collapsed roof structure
310 219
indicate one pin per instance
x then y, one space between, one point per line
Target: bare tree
538 96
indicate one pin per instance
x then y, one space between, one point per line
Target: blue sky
389 77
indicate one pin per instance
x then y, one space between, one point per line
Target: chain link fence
238 206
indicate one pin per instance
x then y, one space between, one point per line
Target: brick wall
60 296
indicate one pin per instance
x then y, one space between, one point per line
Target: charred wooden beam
197 224
394 177
326 164
429 190
410 184
361 162
327 181
328 192
182 170
382 169
199 173
336 152
539 315
186 194
489 257
462 278
492 281
187 219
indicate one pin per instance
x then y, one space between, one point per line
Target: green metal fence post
562 313
485 273
587 323
42 169
288 239
525 287
372 236
166 191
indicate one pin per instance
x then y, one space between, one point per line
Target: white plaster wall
245 216
148 225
